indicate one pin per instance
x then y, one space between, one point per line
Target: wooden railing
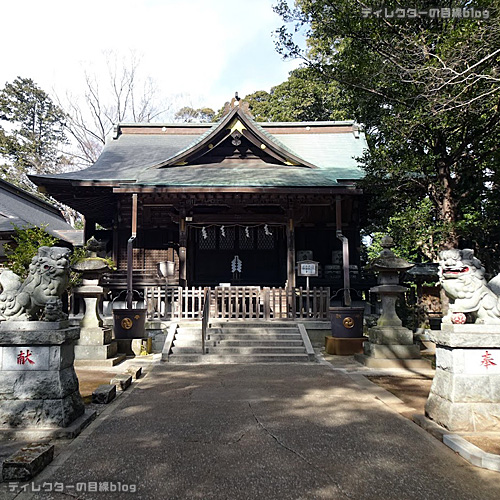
238 302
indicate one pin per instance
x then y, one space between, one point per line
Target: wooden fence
238 302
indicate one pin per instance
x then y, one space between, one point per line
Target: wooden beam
341 189
247 218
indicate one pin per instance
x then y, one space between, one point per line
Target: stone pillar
465 392
38 383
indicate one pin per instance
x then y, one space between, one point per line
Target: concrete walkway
262 432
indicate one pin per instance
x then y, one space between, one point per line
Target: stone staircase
242 342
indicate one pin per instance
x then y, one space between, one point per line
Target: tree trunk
448 204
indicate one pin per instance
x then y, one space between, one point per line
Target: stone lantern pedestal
95 346
390 343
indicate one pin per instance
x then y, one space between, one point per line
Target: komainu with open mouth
462 278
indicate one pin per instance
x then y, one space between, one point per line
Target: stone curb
476 456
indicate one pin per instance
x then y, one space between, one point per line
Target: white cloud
192 47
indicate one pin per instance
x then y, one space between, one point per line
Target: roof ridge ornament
237 102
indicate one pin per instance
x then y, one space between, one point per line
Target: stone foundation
465 393
391 347
38 384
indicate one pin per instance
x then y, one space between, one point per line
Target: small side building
20 208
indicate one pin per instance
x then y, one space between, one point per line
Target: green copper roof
137 151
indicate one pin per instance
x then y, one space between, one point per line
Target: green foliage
427 90
305 96
34 130
417 233
27 242
191 115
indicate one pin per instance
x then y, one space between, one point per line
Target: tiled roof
131 157
19 208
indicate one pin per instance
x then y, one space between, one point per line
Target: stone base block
104 394
36 433
26 463
466 387
135 347
344 346
122 381
37 384
101 362
388 335
95 336
465 336
410 364
463 417
105 351
135 371
19 413
392 351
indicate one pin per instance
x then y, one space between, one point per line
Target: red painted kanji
487 360
22 358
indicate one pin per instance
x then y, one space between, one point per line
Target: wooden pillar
88 229
116 238
290 244
182 251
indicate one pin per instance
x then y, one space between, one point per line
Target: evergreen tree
31 131
427 89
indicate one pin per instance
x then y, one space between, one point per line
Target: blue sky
198 52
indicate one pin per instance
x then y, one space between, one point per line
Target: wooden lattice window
207 238
265 241
246 238
226 240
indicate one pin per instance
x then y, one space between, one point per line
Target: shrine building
235 202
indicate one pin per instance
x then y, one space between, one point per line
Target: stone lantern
390 343
95 342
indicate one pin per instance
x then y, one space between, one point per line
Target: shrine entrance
238 254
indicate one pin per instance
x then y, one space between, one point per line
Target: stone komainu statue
462 278
41 291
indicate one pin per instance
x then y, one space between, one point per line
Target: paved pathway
260 432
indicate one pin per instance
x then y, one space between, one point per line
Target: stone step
242 358
251 324
181 350
189 331
252 337
186 342
255 349
263 330
186 358
251 342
